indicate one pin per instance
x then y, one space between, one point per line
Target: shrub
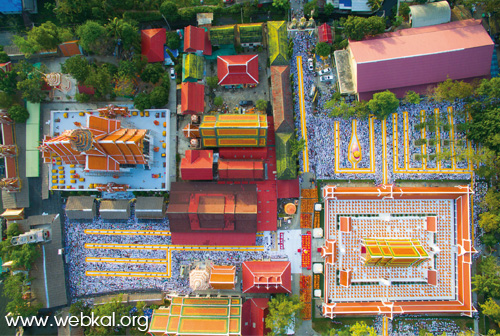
18 113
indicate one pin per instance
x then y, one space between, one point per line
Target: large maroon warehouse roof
411 59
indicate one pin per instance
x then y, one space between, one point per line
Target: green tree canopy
212 82
383 104
25 256
284 312
93 37
170 11
489 222
47 36
489 88
374 4
152 73
261 104
218 101
492 309
411 97
362 329
159 97
281 4
18 113
323 49
31 89
297 146
356 27
449 90
142 101
404 10
113 307
124 30
78 67
173 40
100 78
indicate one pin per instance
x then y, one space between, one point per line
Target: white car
328 78
172 73
311 64
325 71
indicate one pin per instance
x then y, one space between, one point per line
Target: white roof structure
430 14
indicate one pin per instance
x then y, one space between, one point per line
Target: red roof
192 98
213 238
238 69
243 153
267 277
153 44
288 188
325 33
70 48
239 169
86 89
196 39
253 314
197 165
421 41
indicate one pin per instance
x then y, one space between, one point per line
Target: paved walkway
300 75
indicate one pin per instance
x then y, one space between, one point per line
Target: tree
486 285
489 88
356 27
158 97
323 49
78 308
173 41
25 256
283 313
492 309
152 73
311 7
492 200
31 89
78 67
123 30
488 6
489 222
212 82
374 4
18 113
489 239
297 146
361 329
170 11
411 97
4 58
383 104
113 307
47 36
328 10
450 90
404 10
13 230
82 97
142 101
8 82
261 105
281 4
218 101
100 79
93 37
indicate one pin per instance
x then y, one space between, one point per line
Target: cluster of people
81 285
321 131
435 326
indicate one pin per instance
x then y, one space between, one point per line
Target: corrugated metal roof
422 41
430 14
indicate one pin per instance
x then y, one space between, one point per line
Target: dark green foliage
152 73
18 113
158 97
142 101
78 67
356 27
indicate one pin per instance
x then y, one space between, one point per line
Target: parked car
311 64
328 78
325 71
246 102
172 73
